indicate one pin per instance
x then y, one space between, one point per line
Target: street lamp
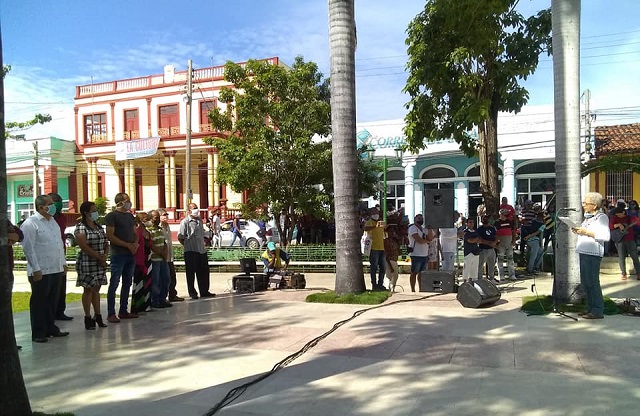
385 164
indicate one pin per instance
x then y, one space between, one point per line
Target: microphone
567 209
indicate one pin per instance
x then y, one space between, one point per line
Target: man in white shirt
46 268
419 244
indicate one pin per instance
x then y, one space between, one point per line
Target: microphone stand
554 243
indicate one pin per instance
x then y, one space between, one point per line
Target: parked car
249 229
69 238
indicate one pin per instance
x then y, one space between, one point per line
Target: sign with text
135 149
25 191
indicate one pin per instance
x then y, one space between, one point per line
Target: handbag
617 235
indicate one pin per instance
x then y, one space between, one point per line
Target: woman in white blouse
592 234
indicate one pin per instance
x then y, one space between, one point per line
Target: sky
54 46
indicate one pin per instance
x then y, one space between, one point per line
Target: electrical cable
236 392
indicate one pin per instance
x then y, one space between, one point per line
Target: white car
249 231
69 237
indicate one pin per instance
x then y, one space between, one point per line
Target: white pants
392 275
470 269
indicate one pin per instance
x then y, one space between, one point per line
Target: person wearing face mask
121 233
375 228
46 267
91 265
191 236
62 223
592 234
142 280
419 239
159 267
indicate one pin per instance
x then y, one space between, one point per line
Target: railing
99 138
131 135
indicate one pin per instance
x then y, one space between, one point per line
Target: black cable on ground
236 392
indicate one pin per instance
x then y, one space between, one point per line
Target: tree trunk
488 155
566 69
14 400
342 42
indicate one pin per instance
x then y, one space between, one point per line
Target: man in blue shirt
487 233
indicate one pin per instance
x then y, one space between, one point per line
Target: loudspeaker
478 293
437 281
253 282
438 208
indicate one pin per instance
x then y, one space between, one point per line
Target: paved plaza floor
426 355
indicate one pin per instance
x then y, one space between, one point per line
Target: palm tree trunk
14 400
342 42
566 70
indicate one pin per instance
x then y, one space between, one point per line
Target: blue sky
55 45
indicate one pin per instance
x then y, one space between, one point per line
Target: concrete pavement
422 357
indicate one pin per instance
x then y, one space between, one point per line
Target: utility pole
587 124
187 172
36 187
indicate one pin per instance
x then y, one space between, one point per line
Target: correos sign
364 137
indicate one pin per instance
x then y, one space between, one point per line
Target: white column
409 164
462 199
508 180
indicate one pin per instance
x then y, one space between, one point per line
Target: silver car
249 229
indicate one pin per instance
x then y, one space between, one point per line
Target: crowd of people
492 244
136 248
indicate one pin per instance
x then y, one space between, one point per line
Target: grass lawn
20 300
544 304
366 298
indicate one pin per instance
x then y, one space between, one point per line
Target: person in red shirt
62 223
620 220
506 232
511 211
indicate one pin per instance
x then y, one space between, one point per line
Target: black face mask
419 222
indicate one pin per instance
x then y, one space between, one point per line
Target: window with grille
95 128
619 185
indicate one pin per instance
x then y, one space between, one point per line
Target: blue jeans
236 236
160 279
122 265
377 263
535 254
590 280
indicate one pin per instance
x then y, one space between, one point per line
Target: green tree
466 58
273 123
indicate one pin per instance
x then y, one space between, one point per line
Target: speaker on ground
478 293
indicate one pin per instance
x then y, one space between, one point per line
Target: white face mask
195 212
94 216
375 217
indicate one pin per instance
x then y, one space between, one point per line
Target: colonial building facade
131 136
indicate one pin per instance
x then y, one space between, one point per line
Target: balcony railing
99 138
132 134
168 131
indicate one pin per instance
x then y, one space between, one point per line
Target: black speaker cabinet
438 208
437 281
478 293
253 282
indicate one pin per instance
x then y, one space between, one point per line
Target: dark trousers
197 266
43 304
173 293
61 305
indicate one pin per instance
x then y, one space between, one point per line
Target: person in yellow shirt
375 229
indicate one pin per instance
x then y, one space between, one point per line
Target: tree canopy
466 59
273 138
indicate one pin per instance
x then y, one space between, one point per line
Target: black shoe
99 321
64 317
59 334
39 339
89 323
167 304
208 295
160 306
176 299
194 296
